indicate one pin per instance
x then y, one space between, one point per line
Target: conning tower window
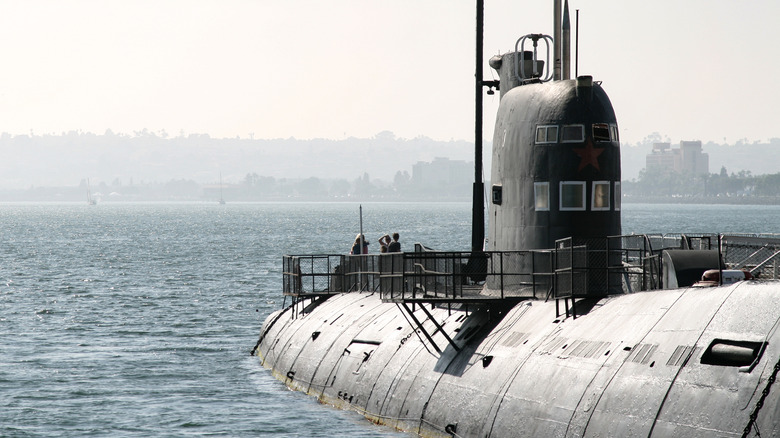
618 196
573 134
497 194
600 196
601 132
572 195
546 134
613 133
542 196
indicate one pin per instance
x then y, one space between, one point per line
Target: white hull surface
632 365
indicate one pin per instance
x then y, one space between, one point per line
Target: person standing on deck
384 242
356 246
395 245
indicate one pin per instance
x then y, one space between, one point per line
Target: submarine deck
364 330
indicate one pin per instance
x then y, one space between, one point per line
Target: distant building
442 171
663 157
693 160
688 158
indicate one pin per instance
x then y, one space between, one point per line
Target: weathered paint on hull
630 367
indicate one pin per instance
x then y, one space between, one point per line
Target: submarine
553 324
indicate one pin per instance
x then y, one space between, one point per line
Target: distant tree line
47 160
742 186
256 187
252 187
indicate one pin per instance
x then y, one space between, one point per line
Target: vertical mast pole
360 270
577 47
557 40
361 229
478 195
566 43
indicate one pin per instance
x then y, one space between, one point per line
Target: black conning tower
556 162
556 166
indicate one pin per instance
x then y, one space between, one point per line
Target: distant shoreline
726 200
746 200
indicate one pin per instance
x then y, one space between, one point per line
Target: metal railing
426 275
574 268
759 254
329 274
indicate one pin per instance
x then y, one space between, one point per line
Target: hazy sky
694 69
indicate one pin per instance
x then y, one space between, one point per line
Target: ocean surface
138 319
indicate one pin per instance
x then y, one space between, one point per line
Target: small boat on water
560 326
221 198
90 199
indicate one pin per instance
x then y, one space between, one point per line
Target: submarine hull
687 363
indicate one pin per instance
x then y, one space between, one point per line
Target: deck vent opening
728 353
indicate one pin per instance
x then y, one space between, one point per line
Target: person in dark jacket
395 245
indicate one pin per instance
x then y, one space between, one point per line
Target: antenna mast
478 194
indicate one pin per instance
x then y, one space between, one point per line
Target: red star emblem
589 155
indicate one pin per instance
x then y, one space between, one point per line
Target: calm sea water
138 319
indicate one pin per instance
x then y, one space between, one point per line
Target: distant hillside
63 160
756 158
148 157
